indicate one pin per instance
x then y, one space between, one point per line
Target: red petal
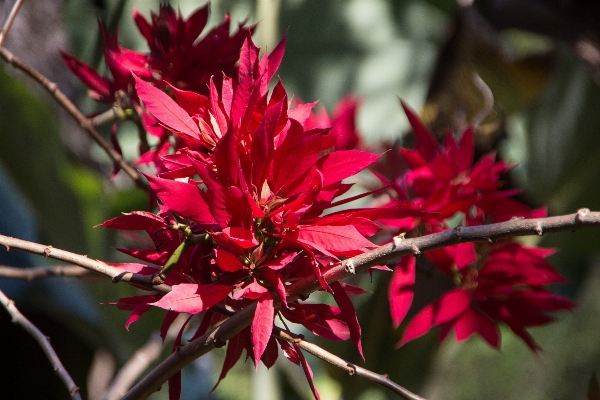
262 325
426 143
167 111
344 164
193 298
228 261
183 198
339 240
401 291
349 314
90 77
234 351
448 307
308 372
136 220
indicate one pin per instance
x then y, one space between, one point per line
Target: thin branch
184 355
400 247
114 273
138 363
44 342
86 123
30 274
351 369
10 20
112 114
417 246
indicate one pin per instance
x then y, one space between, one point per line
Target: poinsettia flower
179 55
509 288
250 184
503 284
342 121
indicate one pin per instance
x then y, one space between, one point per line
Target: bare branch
44 342
351 369
417 246
301 289
138 363
86 123
115 274
217 337
9 21
30 274
142 358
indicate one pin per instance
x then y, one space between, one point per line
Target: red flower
253 222
177 56
502 283
508 288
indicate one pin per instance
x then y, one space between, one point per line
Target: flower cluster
246 181
497 282
179 57
241 214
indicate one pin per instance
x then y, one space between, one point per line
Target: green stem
172 261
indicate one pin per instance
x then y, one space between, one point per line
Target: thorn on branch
349 267
48 250
581 213
491 241
396 240
415 250
158 279
351 369
457 232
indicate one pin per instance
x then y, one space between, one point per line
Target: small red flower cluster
177 56
502 282
246 181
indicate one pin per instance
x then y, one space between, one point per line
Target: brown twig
351 369
86 123
44 342
114 273
138 363
301 289
10 20
30 274
416 246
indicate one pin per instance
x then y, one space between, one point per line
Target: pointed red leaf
100 85
191 102
308 373
167 111
349 314
270 354
193 298
344 164
426 143
401 289
448 307
227 261
235 347
136 220
262 325
339 240
275 58
183 198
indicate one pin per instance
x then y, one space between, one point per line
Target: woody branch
44 342
84 122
